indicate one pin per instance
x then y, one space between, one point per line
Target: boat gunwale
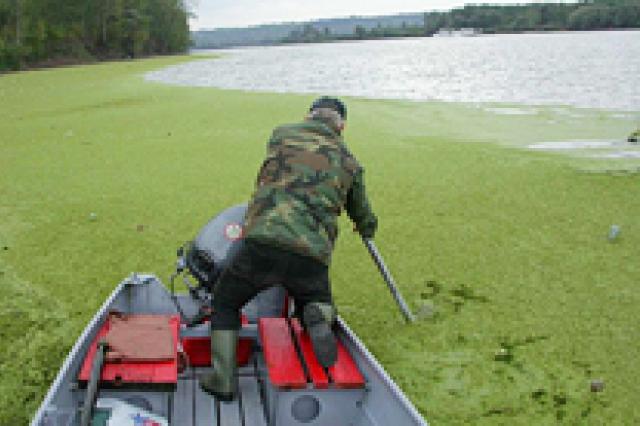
83 341
385 378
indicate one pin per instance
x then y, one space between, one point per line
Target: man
307 178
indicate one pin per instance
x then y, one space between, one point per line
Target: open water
582 69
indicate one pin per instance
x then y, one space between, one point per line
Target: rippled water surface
586 69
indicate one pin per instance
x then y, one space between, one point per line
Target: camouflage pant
258 266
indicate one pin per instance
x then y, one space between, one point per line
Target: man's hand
367 228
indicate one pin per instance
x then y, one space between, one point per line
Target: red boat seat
289 368
137 360
198 349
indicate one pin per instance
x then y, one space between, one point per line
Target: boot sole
224 397
322 338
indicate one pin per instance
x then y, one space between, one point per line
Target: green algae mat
528 312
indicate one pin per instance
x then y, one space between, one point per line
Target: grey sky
242 13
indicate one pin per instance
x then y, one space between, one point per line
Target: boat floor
193 407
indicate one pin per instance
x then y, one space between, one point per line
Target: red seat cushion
142 369
140 338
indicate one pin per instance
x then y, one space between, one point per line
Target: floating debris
140 228
426 310
597 385
538 393
614 232
511 111
503 354
93 217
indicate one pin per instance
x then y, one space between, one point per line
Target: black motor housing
215 246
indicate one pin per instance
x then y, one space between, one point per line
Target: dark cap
332 103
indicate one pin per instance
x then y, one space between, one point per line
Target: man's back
302 187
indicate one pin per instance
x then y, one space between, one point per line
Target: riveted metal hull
379 403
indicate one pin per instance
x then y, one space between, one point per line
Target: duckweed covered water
530 303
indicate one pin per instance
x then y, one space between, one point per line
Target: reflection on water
619 155
511 111
589 69
605 149
550 146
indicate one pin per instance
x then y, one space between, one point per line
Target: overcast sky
242 13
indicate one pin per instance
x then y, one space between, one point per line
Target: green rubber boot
221 383
318 319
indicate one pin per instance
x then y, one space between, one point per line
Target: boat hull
379 403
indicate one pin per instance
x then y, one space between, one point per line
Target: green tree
590 17
360 32
32 31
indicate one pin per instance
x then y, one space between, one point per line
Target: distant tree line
584 15
49 32
312 34
321 29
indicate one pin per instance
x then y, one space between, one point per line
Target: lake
581 69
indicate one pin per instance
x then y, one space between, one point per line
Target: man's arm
273 142
359 209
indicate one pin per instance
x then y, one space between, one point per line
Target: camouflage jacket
306 180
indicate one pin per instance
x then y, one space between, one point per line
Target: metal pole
377 258
92 385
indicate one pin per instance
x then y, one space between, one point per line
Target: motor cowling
215 245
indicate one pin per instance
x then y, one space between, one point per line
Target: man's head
330 110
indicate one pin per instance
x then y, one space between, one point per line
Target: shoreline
69 62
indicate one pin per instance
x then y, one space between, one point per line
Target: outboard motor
214 247
207 256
